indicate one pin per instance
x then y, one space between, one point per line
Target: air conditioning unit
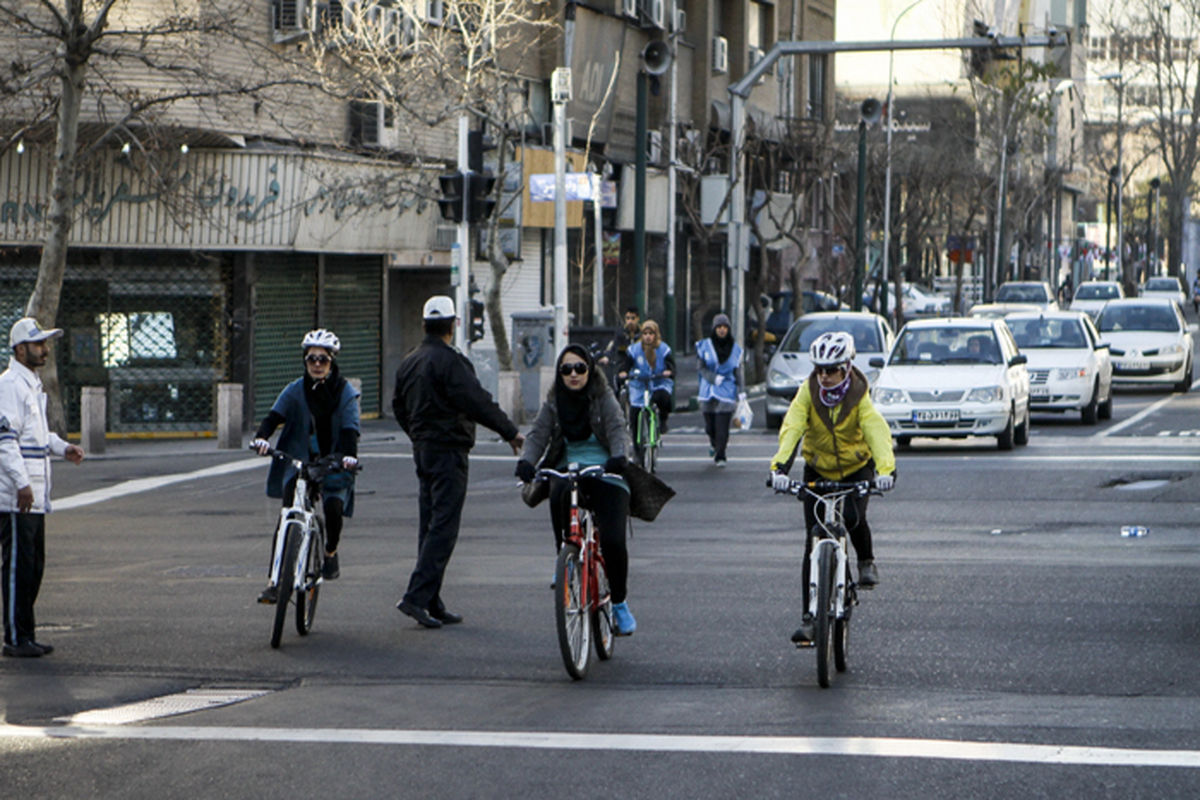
680 23
654 148
289 15
435 11
720 54
630 8
657 12
371 124
757 55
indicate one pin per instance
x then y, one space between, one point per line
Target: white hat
439 307
26 330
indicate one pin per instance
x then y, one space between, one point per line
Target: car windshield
1041 332
1162 285
806 329
947 346
1021 294
1097 292
1138 318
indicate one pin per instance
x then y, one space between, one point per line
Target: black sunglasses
578 367
318 359
830 370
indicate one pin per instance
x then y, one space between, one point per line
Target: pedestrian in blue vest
720 381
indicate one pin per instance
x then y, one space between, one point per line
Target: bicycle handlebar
594 471
331 463
826 488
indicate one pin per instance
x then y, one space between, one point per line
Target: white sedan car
791 364
1092 296
955 378
1069 367
1164 286
1149 341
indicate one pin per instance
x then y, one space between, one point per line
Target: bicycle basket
534 492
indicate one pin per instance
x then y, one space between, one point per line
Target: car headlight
986 394
775 378
1070 373
1172 349
887 397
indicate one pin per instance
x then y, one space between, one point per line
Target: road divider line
861 746
139 485
1139 416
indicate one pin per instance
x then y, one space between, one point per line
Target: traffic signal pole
461 254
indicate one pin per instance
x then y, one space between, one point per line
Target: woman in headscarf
720 380
649 363
581 422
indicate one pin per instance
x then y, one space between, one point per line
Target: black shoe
269 596
803 637
421 615
329 569
46 649
23 650
868 576
445 617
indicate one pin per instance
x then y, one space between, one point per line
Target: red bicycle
582 599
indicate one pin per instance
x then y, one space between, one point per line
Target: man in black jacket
437 402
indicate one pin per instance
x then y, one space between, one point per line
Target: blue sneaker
624 620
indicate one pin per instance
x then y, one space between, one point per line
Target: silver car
1091 296
1069 367
791 363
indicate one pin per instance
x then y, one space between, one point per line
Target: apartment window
816 87
758 25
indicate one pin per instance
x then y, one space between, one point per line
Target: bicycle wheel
823 624
841 631
602 614
570 612
645 440
287 574
310 589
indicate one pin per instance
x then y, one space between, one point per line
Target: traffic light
476 320
452 201
480 204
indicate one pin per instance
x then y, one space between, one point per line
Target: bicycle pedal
804 645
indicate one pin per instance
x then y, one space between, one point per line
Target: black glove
526 471
616 465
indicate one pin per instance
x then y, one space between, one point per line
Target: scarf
574 407
322 399
723 345
832 396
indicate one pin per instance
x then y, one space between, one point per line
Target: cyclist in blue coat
319 414
720 381
649 362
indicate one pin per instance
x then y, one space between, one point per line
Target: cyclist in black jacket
438 401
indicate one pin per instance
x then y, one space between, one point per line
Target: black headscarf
722 344
574 406
322 398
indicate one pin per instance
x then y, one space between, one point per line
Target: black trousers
610 509
716 425
855 515
23 541
334 519
442 473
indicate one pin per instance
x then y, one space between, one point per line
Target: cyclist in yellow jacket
842 437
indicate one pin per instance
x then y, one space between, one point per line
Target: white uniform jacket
26 443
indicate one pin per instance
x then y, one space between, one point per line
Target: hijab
835 394
652 353
722 344
574 406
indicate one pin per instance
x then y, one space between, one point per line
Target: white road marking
1136 418
149 484
871 747
168 705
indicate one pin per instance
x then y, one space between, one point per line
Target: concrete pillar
229 416
508 395
93 416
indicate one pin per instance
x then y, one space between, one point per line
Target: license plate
1040 394
1135 365
936 415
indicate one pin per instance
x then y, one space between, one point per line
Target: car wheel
1105 409
1021 432
1004 439
1186 383
1089 412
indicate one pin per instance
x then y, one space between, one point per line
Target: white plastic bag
743 415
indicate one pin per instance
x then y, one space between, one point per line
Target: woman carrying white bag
721 381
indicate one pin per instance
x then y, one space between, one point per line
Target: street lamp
869 112
1115 80
1152 254
887 178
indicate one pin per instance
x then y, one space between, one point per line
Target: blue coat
663 360
298 438
710 368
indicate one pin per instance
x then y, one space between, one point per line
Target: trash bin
533 345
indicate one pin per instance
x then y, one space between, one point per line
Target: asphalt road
1017 647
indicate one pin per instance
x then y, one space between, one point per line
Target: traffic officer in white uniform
26 444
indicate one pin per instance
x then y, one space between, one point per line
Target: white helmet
829 349
321 338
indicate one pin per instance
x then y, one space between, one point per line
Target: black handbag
534 492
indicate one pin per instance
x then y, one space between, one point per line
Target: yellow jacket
836 441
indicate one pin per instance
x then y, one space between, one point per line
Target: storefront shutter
285 302
353 308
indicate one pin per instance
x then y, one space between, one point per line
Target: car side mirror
876 362
1019 358
1102 346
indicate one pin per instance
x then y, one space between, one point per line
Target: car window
1021 294
1041 332
1138 318
1163 285
805 331
1096 293
947 346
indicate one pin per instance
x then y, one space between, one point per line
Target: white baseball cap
439 307
26 330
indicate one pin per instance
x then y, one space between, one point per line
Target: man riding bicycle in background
319 413
843 438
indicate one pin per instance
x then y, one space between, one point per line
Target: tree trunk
43 303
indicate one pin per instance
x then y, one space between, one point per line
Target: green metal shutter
353 309
285 302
